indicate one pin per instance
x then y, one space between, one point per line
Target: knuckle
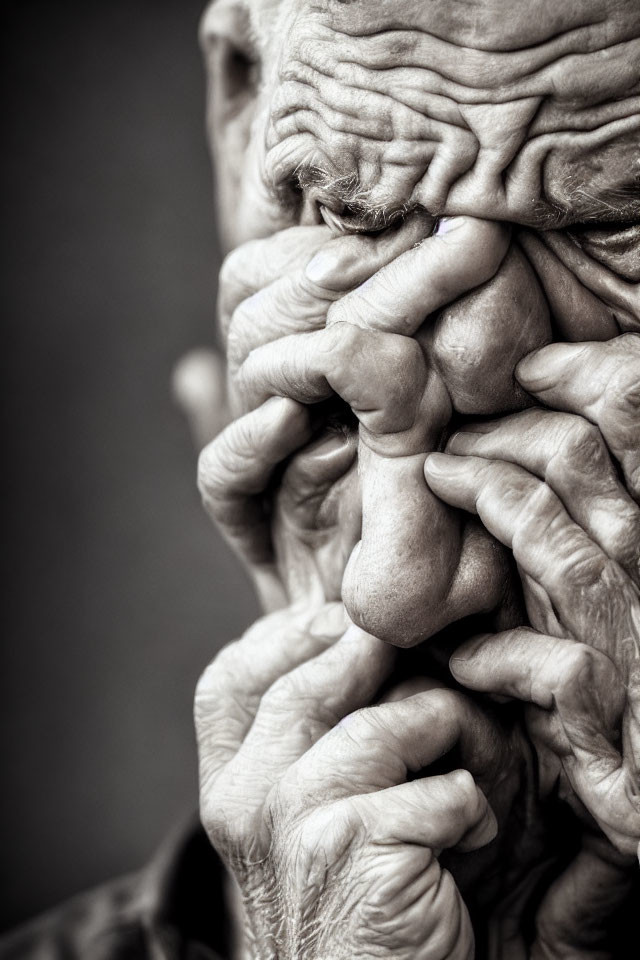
347 310
622 395
620 526
579 563
574 663
362 727
626 344
586 676
345 342
345 338
582 441
405 359
327 832
536 507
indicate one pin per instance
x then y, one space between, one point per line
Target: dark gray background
116 590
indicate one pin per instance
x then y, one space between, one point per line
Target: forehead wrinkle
481 25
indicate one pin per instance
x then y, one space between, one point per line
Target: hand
304 793
415 569
265 294
544 484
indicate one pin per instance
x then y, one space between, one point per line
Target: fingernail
543 367
461 441
466 652
466 437
327 446
440 465
446 225
322 267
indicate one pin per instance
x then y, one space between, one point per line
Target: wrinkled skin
509 111
305 793
297 123
327 113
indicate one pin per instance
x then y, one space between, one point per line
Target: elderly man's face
358 113
524 112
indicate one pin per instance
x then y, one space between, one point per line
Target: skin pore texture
431 316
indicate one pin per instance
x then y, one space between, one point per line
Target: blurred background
117 591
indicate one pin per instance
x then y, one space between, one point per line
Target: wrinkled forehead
514 109
489 25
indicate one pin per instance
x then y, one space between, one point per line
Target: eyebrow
620 204
583 204
348 194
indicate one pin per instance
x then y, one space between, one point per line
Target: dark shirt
173 909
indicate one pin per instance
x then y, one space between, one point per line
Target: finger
569 453
594 598
317 517
408 540
235 469
346 262
436 812
599 381
230 689
409 688
198 385
376 748
258 263
586 691
463 253
381 376
312 474
303 704
298 300
552 672
539 608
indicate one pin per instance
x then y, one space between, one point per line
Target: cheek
477 342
